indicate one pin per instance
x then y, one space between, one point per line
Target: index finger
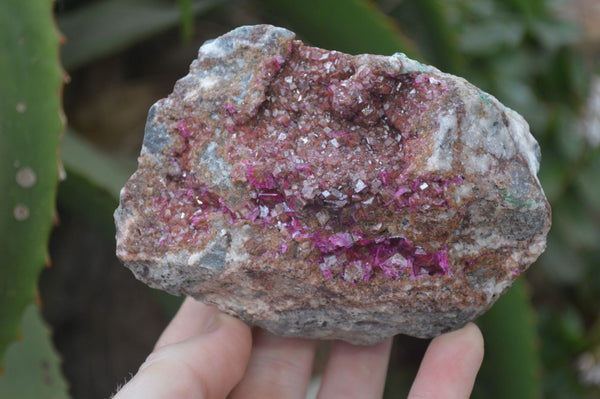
207 364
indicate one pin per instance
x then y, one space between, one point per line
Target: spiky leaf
30 125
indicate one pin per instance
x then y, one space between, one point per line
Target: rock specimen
319 194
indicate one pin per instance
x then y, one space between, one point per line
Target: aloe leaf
30 126
32 365
106 27
104 170
93 182
511 366
351 26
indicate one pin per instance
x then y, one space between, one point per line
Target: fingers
278 368
356 371
450 365
203 354
207 364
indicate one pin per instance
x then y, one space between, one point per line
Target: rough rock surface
318 194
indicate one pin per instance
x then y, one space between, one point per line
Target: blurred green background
75 324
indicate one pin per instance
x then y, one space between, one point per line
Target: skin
206 354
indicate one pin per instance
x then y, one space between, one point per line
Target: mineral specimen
318 194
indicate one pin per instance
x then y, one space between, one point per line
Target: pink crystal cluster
324 151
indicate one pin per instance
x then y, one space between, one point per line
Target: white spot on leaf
26 177
21 212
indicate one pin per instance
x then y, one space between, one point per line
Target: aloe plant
30 126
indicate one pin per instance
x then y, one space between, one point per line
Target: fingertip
467 340
450 365
475 337
466 344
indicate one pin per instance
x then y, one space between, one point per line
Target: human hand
206 354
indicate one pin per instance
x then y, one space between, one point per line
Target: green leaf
552 174
80 196
587 183
563 339
186 18
560 262
511 366
31 82
528 8
516 65
565 79
577 227
519 96
104 170
106 27
571 146
351 26
493 35
426 21
93 183
553 33
477 9
564 334
32 365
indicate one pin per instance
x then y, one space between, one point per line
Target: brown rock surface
323 195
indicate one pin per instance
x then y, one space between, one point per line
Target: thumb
206 365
